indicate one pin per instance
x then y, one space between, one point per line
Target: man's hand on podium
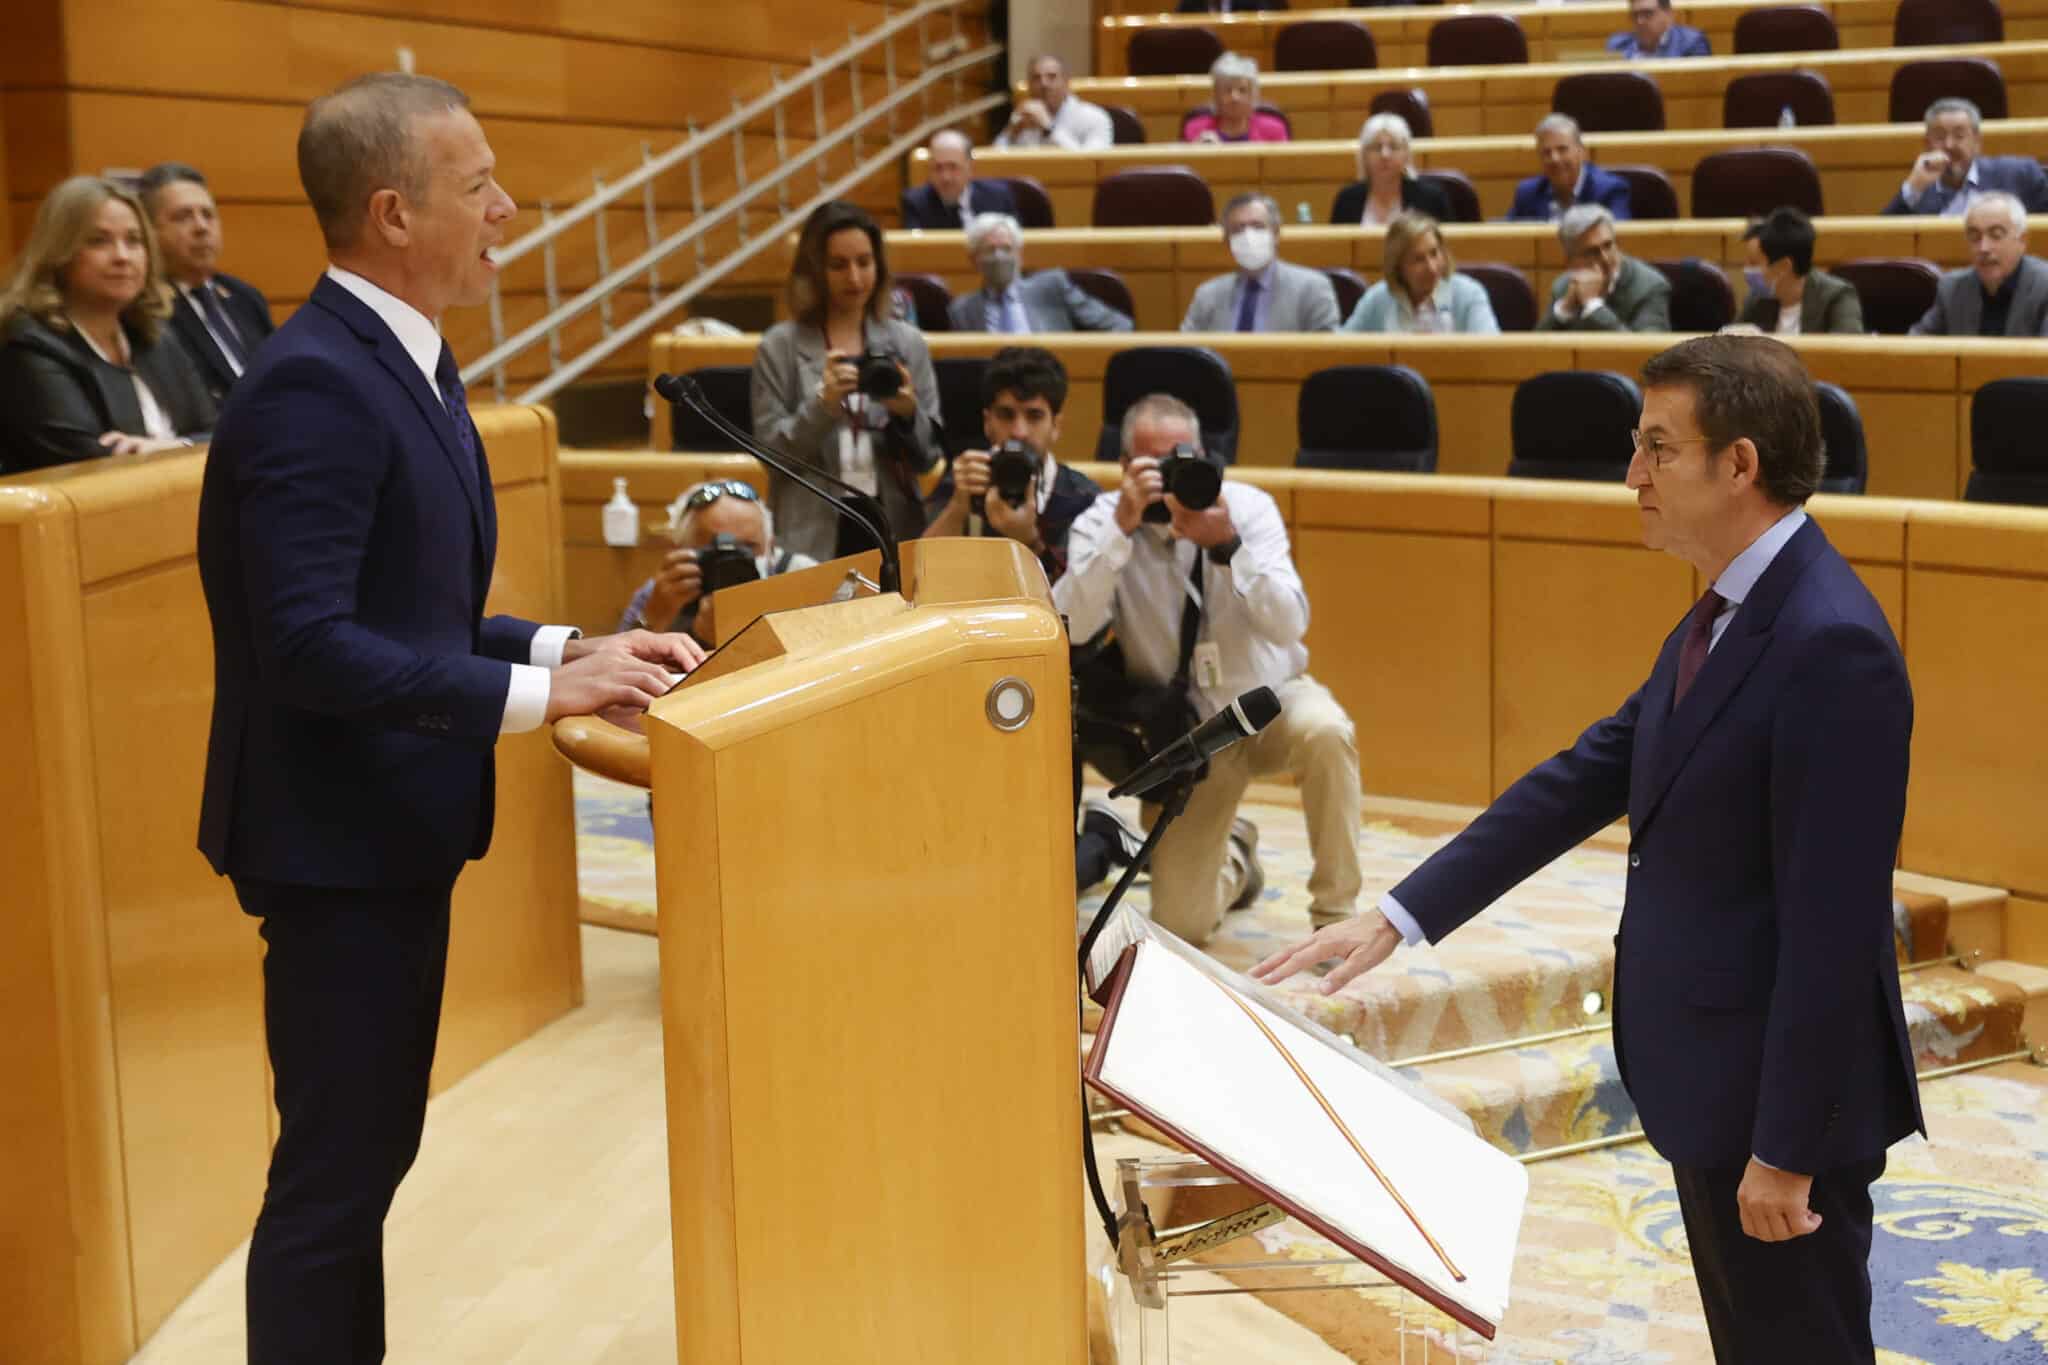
1358 944
675 651
618 675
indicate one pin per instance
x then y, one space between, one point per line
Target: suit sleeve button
1635 860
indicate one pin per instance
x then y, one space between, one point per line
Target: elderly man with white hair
1387 185
1235 116
1054 116
951 196
1008 302
2003 292
1603 290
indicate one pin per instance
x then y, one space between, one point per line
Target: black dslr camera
1191 476
725 563
879 377
1011 468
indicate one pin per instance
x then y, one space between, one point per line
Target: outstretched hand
1358 945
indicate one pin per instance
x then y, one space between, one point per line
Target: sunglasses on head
712 492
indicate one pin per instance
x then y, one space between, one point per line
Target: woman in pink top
1236 116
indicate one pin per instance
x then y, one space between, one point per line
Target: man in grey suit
2003 292
1266 294
1949 176
1602 290
1045 302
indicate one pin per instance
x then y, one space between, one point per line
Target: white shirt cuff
546 649
526 696
1398 916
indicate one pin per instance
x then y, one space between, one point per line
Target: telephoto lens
1190 476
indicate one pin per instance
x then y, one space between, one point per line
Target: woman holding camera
845 387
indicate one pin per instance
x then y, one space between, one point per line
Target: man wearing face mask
1266 294
1045 302
1787 296
1603 290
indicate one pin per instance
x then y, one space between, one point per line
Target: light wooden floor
534 1228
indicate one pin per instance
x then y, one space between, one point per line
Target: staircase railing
943 64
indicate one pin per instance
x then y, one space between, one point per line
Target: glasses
709 493
1660 452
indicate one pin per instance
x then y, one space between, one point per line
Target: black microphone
1246 716
864 512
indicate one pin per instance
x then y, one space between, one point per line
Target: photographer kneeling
724 536
1194 575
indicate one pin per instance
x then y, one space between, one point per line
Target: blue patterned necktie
448 378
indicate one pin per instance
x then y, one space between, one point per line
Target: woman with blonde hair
87 367
1422 290
1386 182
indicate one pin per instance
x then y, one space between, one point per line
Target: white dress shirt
156 424
1255 611
1076 125
526 696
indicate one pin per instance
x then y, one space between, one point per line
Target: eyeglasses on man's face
723 488
1660 450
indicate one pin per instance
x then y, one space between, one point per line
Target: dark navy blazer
345 548
1533 196
1756 993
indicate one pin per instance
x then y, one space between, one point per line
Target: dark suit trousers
1802 1302
351 1005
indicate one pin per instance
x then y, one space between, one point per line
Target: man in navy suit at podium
1762 768
346 538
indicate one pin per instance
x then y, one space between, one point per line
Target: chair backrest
929 300
1896 290
1105 286
1508 289
1574 424
1034 205
1350 287
1459 190
1325 45
1841 430
1786 28
1933 23
1172 51
1915 85
1701 300
1206 110
1196 375
1126 129
1477 40
2008 458
1650 192
1610 101
1366 417
1751 181
729 389
1153 196
1760 99
959 379
1411 104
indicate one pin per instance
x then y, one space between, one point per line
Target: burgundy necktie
1699 635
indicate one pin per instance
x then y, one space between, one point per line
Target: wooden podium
864 855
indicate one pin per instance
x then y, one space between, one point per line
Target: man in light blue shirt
1658 34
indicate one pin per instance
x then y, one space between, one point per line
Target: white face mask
1252 248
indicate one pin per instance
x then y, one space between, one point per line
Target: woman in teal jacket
1422 290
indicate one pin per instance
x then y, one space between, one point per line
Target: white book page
1182 1049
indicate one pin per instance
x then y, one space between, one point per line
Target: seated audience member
2003 292
1054 116
707 523
951 197
1045 302
1569 176
807 396
1132 560
87 366
1786 294
220 319
1266 294
1386 184
1658 34
1947 178
1235 115
1603 290
1422 290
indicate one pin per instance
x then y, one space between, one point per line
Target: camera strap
1190 622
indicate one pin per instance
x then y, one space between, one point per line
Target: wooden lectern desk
864 854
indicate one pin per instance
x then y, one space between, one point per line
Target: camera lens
1195 481
879 377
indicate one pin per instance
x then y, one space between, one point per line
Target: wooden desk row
1861 165
1468 101
1914 394
1472 627
1556 33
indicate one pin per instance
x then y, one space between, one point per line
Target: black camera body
1011 468
725 563
879 377
1191 476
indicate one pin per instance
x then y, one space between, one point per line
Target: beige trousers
1193 878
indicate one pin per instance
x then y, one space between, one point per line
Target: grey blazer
1053 302
1303 301
1831 304
1640 302
789 365
1959 303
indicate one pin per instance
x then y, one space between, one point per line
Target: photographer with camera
724 536
1192 574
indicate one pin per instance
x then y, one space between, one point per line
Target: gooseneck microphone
863 511
1245 717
